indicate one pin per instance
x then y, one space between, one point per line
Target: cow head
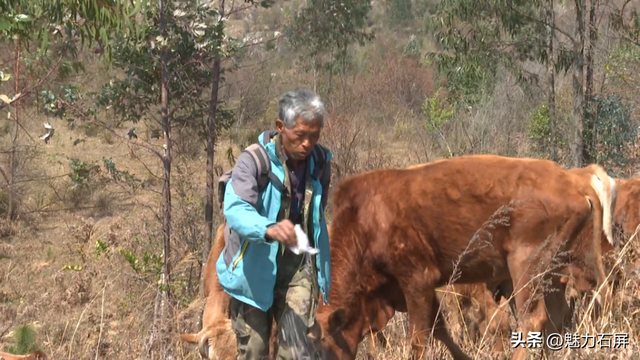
336 333
339 330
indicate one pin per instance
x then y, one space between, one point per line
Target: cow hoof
598 301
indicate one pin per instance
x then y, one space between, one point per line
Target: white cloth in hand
303 243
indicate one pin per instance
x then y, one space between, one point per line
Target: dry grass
61 264
620 315
107 307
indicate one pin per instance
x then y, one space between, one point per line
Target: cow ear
337 319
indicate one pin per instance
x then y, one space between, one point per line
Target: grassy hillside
82 260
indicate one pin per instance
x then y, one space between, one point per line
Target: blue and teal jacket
247 266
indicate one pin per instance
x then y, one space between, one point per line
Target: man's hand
284 233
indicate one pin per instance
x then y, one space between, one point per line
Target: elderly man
257 268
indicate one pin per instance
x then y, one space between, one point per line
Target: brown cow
480 318
397 234
627 213
479 293
217 340
626 220
217 334
575 279
38 355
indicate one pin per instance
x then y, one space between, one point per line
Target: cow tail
606 189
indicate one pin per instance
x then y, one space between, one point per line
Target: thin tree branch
28 91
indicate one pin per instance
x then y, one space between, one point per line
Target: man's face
299 140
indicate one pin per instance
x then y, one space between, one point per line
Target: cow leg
533 317
496 323
558 311
557 307
419 310
440 332
423 311
505 290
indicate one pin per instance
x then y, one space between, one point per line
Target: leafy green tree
437 115
328 27
476 37
25 22
183 49
612 129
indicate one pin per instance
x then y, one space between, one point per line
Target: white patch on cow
605 202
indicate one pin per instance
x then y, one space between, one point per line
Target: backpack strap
222 184
263 165
320 158
268 135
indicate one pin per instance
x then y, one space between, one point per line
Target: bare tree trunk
551 18
13 163
590 148
578 79
165 308
211 146
211 143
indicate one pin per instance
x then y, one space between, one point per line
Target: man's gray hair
303 104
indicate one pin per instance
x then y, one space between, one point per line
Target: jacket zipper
244 248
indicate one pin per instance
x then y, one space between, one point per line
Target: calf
217 340
397 234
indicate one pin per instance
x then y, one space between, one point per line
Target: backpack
264 174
